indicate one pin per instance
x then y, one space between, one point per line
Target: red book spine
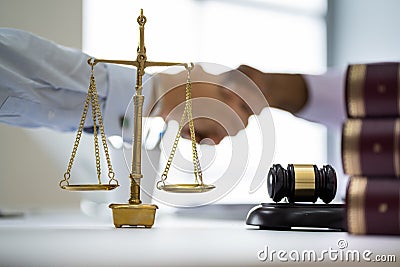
371 147
373 90
373 206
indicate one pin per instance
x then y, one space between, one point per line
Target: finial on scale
141 19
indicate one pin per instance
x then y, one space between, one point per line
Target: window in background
271 35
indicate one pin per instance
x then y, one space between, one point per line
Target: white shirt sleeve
325 99
45 84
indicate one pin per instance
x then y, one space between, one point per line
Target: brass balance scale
134 213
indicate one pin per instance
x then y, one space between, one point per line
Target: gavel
302 183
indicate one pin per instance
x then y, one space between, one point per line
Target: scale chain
91 98
67 174
188 112
102 133
195 158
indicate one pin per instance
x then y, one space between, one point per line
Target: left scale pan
89 187
91 99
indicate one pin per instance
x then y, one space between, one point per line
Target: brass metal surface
351 151
356 104
133 215
140 63
304 184
199 186
91 98
187 188
89 187
356 205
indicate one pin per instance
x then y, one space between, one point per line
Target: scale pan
89 187
187 188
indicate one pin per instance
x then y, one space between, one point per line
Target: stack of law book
371 148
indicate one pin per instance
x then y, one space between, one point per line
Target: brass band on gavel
302 183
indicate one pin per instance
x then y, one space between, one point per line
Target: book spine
373 90
373 206
371 147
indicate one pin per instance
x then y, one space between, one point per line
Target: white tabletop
73 239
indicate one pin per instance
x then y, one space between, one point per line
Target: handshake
223 102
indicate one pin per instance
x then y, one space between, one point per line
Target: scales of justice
134 213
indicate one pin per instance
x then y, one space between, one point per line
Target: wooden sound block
286 216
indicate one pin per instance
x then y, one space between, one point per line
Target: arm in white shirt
45 84
325 103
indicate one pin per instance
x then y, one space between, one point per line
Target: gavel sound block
302 185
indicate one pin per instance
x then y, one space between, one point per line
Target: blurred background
302 36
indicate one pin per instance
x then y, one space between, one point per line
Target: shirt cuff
325 102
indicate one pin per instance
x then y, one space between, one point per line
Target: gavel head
302 183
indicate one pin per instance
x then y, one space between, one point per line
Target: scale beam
136 63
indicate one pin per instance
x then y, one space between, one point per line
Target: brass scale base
144 214
138 214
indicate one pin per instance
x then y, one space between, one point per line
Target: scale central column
136 174
138 100
135 213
